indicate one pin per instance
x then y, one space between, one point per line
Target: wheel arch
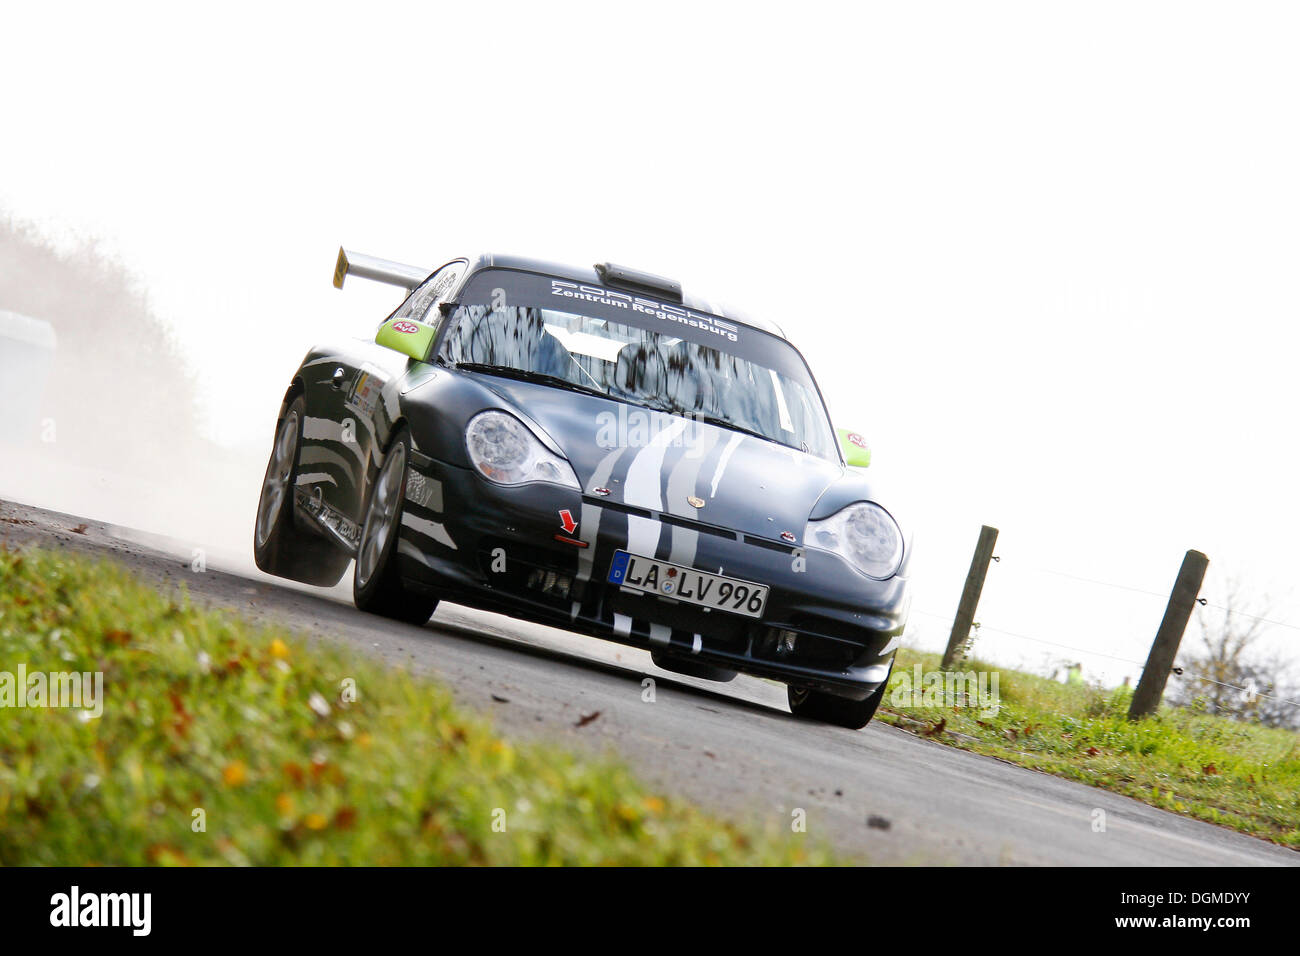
296 388
386 445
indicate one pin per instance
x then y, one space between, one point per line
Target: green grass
203 711
1240 775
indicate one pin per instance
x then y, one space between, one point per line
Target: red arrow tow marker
567 522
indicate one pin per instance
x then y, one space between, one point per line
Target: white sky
1042 255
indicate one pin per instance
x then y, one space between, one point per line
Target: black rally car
596 450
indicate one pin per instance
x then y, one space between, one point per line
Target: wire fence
1250 692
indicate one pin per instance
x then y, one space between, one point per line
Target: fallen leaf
878 822
501 700
345 817
585 719
235 773
1092 751
79 529
1210 770
183 717
937 729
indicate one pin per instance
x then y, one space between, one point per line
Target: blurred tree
120 385
1226 673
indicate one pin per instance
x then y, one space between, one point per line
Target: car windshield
680 362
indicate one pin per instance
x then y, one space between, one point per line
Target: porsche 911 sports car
597 450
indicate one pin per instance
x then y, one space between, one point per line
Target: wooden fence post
1182 599
970 595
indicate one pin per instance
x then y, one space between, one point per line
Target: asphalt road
731 748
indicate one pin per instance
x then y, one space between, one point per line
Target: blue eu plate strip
618 567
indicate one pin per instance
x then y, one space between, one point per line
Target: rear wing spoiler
380 270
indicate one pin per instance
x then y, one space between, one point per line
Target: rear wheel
840 711
279 546
376 586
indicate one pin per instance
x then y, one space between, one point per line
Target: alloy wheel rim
381 516
275 487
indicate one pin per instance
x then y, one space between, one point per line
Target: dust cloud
99 413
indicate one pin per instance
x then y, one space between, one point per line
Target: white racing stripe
314 477
645 474
722 463
681 485
326 429
320 455
642 489
430 529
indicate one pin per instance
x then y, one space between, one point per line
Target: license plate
687 584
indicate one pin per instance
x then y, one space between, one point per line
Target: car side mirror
410 338
857 452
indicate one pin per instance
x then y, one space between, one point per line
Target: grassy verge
249 732
1242 776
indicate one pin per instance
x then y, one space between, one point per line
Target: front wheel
840 711
376 586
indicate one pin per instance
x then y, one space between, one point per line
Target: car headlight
865 535
504 450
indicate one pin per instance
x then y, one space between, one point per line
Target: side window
421 305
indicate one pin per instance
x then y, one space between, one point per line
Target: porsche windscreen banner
502 287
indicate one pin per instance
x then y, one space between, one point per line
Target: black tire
280 547
840 711
376 586
692 668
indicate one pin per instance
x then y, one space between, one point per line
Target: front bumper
506 549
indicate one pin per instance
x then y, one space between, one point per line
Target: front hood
658 462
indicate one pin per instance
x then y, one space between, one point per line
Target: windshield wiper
528 375
728 423
675 409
